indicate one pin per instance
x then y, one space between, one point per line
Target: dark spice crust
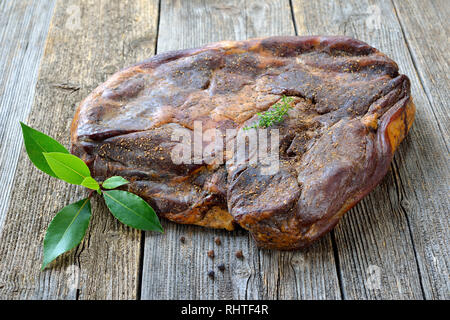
351 110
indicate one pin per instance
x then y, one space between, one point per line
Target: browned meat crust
351 110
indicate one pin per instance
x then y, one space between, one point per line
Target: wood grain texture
88 40
23 30
426 29
402 226
173 270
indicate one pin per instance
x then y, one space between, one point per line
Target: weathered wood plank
173 270
426 29
23 30
402 226
87 41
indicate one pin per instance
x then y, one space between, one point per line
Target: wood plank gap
158 22
142 240
141 264
293 17
338 265
419 74
398 185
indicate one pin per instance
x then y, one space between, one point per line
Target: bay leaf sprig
68 227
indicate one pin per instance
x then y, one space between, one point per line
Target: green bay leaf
67 167
132 210
66 230
114 182
90 183
36 143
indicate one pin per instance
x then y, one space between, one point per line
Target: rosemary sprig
274 115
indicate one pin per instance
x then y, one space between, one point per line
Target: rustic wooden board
402 226
426 29
173 270
23 30
88 40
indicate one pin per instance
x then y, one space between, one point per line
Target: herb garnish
69 226
273 116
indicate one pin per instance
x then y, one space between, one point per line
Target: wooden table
393 245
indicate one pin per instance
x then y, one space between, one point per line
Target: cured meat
349 110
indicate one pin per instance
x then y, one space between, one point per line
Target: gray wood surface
426 183
23 30
87 41
399 232
426 29
391 228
